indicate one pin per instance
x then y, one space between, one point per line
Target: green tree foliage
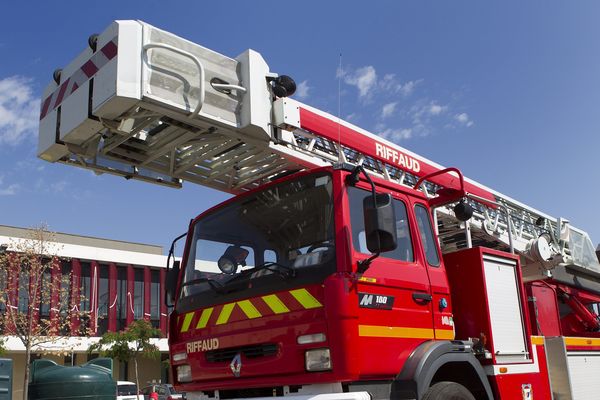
128 345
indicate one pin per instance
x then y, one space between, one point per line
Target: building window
85 287
164 368
23 290
123 370
138 294
65 297
85 293
103 300
121 298
155 298
68 360
45 294
65 287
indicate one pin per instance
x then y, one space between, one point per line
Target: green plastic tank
90 381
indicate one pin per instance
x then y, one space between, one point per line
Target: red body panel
543 309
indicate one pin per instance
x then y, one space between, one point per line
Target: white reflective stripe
524 368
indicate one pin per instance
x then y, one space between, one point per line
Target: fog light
184 373
317 360
314 338
179 357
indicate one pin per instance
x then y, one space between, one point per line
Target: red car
165 392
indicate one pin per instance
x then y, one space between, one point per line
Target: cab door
394 294
443 322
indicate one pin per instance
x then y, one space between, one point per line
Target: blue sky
508 92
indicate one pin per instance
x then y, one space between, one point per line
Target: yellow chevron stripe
275 304
447 334
249 309
225 314
394 332
187 321
204 317
305 298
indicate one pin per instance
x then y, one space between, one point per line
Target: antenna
340 151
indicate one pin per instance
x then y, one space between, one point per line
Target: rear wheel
448 391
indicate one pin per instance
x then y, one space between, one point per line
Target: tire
448 391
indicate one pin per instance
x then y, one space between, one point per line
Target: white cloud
388 109
364 78
425 116
10 190
464 119
391 84
19 110
44 185
367 82
302 90
59 187
396 135
409 87
436 109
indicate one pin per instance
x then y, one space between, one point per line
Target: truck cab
279 290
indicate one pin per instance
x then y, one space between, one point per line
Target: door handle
422 297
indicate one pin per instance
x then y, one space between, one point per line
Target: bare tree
37 304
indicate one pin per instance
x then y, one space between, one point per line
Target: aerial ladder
144 104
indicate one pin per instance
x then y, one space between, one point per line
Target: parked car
128 391
165 392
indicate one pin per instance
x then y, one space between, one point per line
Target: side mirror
380 223
171 283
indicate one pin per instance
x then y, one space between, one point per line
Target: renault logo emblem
236 365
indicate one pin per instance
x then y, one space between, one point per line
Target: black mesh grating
254 351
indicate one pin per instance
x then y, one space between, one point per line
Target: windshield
271 240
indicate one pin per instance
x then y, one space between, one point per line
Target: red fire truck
345 266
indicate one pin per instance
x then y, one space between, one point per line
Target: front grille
253 351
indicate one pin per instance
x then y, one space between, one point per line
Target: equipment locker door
393 294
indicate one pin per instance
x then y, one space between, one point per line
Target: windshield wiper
217 286
280 269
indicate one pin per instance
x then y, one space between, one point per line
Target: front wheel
448 391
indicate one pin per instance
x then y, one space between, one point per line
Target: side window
270 256
404 250
427 237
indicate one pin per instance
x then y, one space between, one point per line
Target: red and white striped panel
80 76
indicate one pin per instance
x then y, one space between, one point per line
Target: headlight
184 373
317 360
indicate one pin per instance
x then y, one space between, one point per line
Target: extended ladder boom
145 104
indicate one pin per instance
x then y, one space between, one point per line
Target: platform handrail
149 46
